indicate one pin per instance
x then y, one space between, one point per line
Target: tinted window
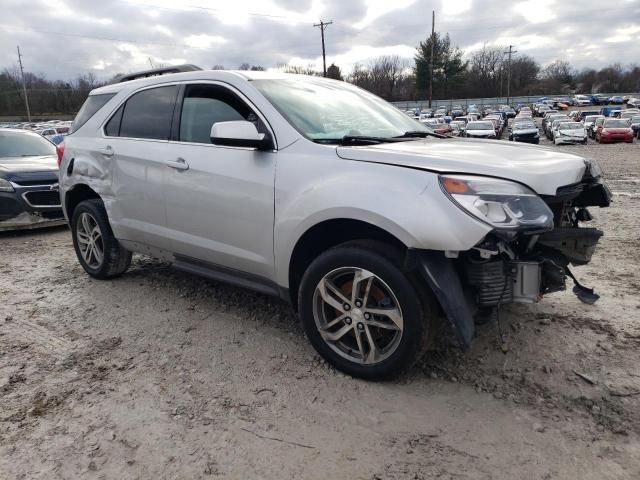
23 144
89 108
204 105
148 114
112 128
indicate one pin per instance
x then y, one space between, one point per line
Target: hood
572 133
525 131
47 163
616 130
481 133
542 169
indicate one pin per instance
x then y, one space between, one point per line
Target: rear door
220 203
136 141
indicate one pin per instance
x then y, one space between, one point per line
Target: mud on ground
161 374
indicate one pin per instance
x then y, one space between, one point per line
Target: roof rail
159 71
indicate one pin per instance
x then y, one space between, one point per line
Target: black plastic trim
440 274
226 275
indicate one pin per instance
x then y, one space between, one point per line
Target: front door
219 200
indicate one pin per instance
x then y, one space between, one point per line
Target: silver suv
314 190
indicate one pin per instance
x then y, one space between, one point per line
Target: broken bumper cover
27 221
29 207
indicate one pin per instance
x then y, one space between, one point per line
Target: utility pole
24 85
322 26
433 39
510 52
150 62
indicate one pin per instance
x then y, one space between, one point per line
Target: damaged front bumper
520 269
31 206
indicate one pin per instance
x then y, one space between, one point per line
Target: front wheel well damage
329 234
76 195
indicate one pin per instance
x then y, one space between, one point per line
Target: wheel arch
327 234
77 194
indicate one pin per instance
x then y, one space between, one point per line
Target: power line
323 26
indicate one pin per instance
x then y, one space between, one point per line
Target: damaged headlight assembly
507 206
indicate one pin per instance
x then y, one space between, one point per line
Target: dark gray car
29 196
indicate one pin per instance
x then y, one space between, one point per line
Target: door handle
106 151
179 164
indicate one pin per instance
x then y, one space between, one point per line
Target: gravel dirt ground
160 374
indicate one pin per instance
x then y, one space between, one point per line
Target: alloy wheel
358 315
90 240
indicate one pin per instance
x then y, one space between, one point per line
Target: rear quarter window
89 108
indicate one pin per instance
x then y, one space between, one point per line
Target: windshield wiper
421 134
356 140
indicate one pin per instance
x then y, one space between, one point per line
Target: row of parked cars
608 124
52 130
578 125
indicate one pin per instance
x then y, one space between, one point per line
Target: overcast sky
62 38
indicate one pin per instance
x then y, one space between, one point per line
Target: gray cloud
52 35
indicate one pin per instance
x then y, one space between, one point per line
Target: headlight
594 168
500 203
5 186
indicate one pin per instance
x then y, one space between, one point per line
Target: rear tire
98 251
344 298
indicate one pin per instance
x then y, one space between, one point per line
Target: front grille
43 198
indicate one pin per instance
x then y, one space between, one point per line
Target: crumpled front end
520 267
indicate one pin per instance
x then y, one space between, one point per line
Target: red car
614 130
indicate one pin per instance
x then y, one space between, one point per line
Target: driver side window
204 105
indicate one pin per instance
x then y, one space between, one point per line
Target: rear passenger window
147 114
112 128
204 105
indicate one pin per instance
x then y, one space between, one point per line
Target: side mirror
240 133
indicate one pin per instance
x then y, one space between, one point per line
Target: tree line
482 73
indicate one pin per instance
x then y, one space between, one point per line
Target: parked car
570 132
589 124
581 101
585 113
550 121
524 131
481 129
599 99
370 225
616 100
29 195
628 113
633 102
614 130
635 125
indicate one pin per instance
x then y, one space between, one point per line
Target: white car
569 132
481 129
581 101
316 191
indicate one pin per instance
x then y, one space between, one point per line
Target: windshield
616 123
591 118
480 126
635 119
524 126
328 110
20 144
570 126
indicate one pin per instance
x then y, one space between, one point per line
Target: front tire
98 251
362 313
